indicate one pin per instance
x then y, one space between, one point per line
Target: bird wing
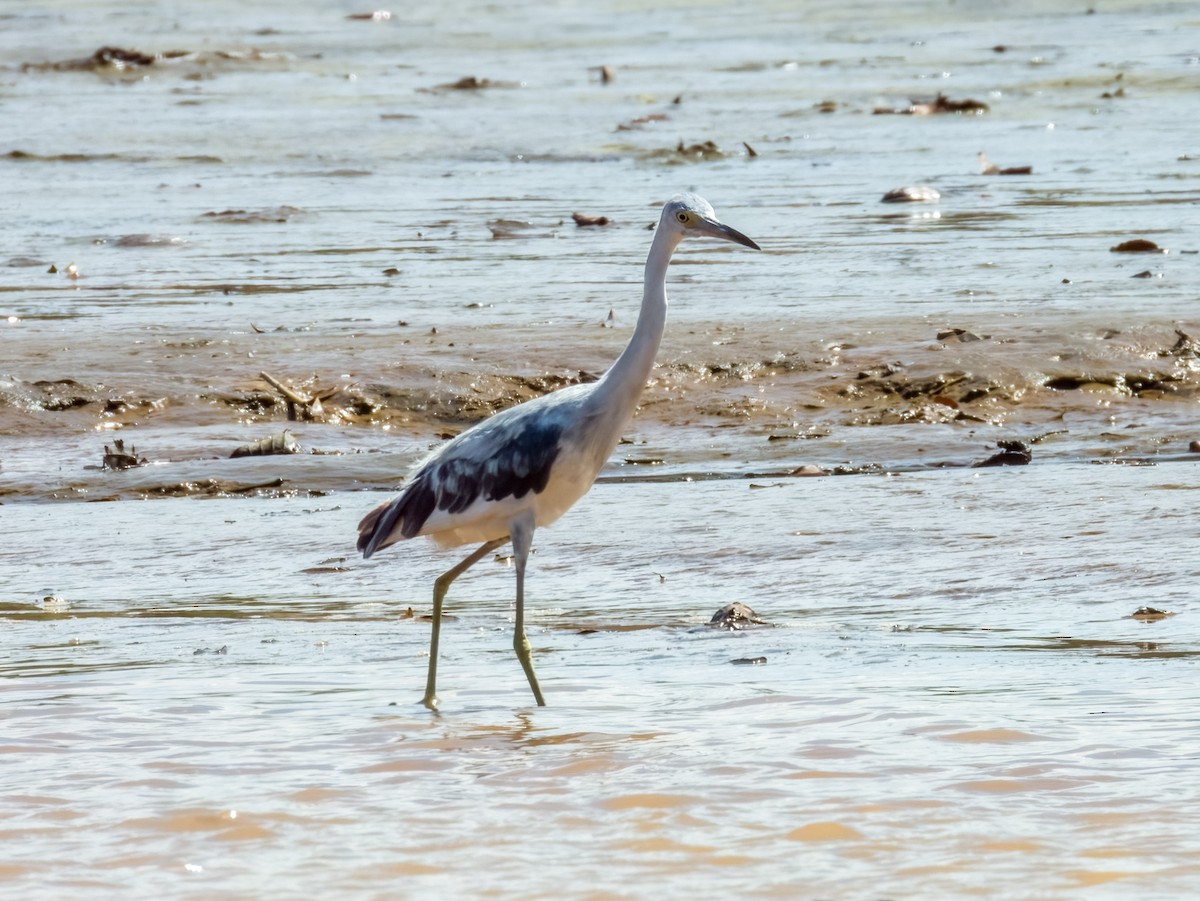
508 455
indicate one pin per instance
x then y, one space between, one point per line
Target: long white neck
620 388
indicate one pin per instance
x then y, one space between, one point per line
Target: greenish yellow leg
522 539
440 587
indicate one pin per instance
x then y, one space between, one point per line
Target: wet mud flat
207 416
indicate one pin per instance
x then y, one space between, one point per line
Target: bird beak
714 229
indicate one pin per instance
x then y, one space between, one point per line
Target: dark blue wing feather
510 454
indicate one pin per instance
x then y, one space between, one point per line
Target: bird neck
621 387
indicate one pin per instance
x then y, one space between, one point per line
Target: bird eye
682 217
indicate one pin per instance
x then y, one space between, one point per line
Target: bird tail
395 520
375 530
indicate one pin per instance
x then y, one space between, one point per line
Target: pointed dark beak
714 229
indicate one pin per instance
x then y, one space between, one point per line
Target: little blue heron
524 467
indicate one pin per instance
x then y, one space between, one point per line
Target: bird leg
440 586
522 540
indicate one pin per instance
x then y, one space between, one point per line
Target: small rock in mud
282 443
149 241
1136 245
748 661
958 334
735 617
117 458
1012 453
808 469
1150 614
912 194
1194 447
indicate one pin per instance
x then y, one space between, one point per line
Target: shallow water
954 699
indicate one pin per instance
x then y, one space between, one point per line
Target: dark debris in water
125 60
221 488
117 457
748 661
583 220
699 152
472 83
941 104
1012 453
735 617
105 58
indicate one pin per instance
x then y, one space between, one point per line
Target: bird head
691 216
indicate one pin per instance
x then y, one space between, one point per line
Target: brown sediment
782 403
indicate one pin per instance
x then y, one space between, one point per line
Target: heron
524 467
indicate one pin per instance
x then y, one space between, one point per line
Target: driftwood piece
300 407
